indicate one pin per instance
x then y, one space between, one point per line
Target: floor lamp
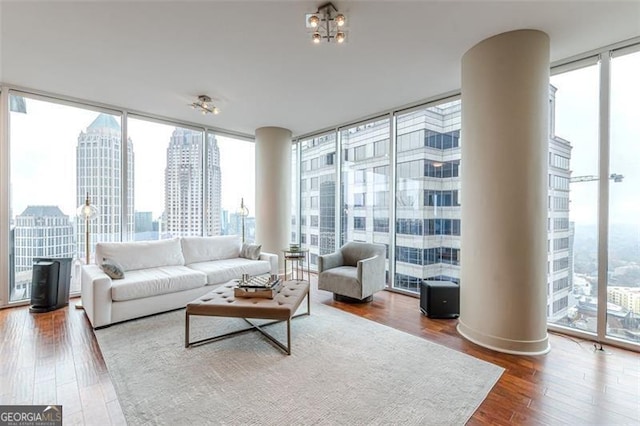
86 211
243 212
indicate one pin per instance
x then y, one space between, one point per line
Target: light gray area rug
344 369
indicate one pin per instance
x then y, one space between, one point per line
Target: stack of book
262 286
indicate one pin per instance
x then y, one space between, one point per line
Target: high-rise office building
99 166
560 231
40 231
186 186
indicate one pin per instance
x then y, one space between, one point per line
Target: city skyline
34 133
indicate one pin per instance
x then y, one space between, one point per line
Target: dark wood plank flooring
54 358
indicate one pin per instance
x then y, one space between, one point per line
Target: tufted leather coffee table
221 302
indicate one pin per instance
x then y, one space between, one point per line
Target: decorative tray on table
263 286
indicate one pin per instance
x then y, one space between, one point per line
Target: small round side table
297 259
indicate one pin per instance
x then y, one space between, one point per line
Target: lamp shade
87 211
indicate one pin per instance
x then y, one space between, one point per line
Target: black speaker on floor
50 284
440 299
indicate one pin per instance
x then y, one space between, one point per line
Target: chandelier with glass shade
327 24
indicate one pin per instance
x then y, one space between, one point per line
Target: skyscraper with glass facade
99 166
186 214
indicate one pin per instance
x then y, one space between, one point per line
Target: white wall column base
514 347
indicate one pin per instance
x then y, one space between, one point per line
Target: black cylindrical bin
50 284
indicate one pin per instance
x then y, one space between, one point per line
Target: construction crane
613 176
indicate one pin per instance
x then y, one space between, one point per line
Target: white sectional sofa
163 275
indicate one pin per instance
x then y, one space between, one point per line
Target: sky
43 143
577 118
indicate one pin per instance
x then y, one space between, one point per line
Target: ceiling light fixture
323 24
205 105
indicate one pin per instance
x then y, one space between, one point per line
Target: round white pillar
273 189
505 101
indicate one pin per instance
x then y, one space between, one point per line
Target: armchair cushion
342 280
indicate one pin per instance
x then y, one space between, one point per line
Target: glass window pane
573 208
623 286
237 185
365 183
150 143
318 200
427 198
59 154
168 196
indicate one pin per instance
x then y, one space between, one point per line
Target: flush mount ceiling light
326 24
205 105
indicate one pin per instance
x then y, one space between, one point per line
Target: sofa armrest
273 261
371 274
330 261
96 295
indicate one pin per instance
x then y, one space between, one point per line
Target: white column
505 101
273 189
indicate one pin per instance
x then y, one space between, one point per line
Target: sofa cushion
202 249
221 271
141 254
155 281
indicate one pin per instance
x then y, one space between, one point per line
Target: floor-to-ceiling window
426 163
234 160
427 202
623 285
365 185
573 199
318 194
171 195
163 180
59 155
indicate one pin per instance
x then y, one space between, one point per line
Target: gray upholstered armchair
354 272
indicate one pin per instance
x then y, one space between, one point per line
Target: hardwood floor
54 358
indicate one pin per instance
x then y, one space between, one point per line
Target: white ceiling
257 62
